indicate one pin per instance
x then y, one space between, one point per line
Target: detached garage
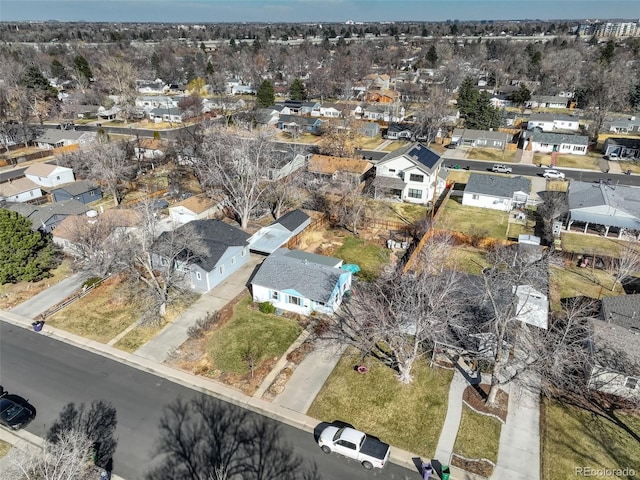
198 207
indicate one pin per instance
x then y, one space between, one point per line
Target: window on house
544 145
221 269
58 177
631 383
415 193
416 178
163 262
392 170
233 260
475 196
198 276
244 251
497 143
92 193
295 300
31 192
275 295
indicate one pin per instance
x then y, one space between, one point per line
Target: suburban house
268 239
630 125
467 137
330 110
284 165
149 102
149 148
50 139
156 86
549 122
369 129
617 331
411 173
193 208
48 175
351 170
626 148
400 131
218 250
301 282
296 123
500 100
603 207
20 190
84 191
236 87
385 113
378 80
167 114
544 142
381 95
47 217
266 116
496 192
532 307
547 101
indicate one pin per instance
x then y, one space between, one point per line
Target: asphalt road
51 374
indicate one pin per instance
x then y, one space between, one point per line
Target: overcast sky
205 11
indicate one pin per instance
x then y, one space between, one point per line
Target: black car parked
15 412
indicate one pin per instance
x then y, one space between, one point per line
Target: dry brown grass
13 294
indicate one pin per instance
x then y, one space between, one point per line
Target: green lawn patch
394 145
492 155
516 229
469 259
406 416
101 315
408 211
591 244
368 256
572 437
478 436
572 281
473 220
265 335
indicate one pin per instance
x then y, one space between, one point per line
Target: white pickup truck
351 443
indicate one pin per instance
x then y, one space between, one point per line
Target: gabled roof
292 220
556 138
496 185
17 186
328 165
51 136
44 169
400 127
283 272
417 153
215 236
299 120
625 142
77 188
197 203
41 214
550 117
620 205
472 134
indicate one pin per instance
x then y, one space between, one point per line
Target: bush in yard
203 324
267 307
25 255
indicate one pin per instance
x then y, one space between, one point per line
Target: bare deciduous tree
627 264
431 116
553 207
396 318
235 166
339 138
119 78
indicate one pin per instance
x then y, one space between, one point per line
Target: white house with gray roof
549 122
412 173
545 142
50 139
268 239
468 137
301 282
496 192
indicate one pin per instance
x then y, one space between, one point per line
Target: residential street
50 373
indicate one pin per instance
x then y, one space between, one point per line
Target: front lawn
473 221
478 436
586 162
13 294
101 315
368 256
406 416
491 155
250 336
572 438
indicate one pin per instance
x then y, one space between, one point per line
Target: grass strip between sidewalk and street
5 447
478 436
406 416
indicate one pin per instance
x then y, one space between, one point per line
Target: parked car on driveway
553 174
499 168
15 412
351 443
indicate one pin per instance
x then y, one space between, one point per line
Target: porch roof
392 183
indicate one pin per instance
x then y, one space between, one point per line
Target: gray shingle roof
418 153
557 138
625 142
299 120
55 136
281 272
497 186
313 258
42 213
623 310
77 188
215 236
549 117
293 219
471 134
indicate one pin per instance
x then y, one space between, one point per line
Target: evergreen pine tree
265 96
297 91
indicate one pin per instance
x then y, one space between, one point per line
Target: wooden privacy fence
72 298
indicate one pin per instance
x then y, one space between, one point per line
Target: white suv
553 174
499 168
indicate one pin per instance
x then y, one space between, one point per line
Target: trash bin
445 473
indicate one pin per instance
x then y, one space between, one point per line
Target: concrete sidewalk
519 450
51 296
175 333
307 379
452 419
